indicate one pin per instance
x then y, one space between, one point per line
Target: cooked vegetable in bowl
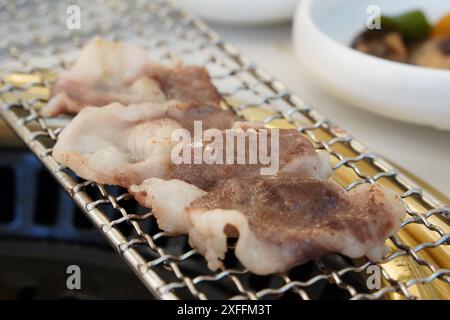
409 38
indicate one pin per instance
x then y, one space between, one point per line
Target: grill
34 50
42 231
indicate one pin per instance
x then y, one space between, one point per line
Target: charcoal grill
33 51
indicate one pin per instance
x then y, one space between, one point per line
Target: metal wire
165 264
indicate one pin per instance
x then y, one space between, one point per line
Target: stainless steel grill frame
37 44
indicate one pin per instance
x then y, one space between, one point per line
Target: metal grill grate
418 263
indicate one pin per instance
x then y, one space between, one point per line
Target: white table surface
421 150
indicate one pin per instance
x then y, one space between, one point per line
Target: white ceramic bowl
323 30
241 11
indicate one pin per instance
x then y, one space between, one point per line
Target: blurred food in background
409 38
329 37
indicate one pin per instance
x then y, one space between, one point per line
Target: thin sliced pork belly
210 116
118 145
279 222
104 72
296 157
284 222
107 72
168 200
189 84
125 145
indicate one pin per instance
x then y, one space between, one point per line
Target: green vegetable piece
387 23
412 25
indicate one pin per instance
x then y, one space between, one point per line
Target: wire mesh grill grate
417 265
